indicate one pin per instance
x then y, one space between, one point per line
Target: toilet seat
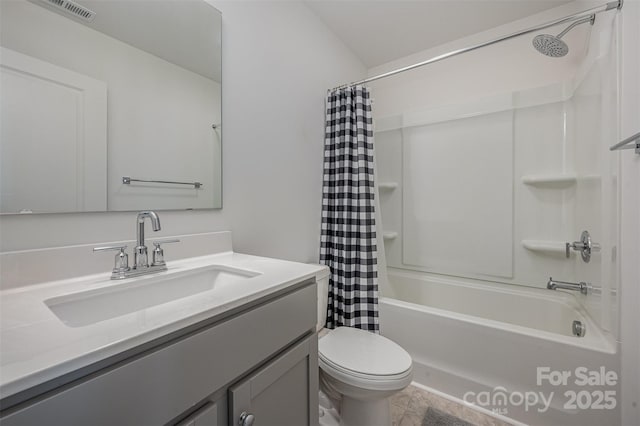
364 359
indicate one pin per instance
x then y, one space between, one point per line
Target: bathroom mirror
110 105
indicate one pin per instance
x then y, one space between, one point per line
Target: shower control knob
246 419
585 246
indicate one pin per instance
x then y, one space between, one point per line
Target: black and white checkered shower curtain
348 236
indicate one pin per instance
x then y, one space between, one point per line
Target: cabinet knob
246 419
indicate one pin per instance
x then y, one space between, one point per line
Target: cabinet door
283 393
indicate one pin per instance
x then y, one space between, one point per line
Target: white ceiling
380 31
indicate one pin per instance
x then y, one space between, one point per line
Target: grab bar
127 181
582 286
629 143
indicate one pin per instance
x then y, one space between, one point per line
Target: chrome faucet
140 257
141 265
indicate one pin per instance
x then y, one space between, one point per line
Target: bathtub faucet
582 286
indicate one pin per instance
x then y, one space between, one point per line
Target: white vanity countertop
36 346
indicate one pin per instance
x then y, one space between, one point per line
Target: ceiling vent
72 8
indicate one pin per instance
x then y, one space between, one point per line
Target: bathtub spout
582 286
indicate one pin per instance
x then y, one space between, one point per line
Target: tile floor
408 408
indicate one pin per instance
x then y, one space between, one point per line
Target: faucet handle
121 261
171 240
105 248
158 253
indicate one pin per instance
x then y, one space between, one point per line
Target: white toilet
359 370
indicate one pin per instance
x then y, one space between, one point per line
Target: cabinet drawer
157 387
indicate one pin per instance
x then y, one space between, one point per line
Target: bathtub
504 349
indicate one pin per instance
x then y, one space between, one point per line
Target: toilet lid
363 352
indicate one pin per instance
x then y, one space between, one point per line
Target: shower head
553 46
550 45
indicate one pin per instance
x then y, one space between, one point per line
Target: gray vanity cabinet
261 358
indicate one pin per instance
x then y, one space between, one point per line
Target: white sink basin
125 297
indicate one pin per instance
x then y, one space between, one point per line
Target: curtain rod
576 16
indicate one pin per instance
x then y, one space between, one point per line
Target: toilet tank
322 280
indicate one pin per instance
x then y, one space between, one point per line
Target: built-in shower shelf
388 186
557 247
389 235
595 178
550 180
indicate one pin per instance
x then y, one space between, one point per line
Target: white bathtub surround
505 161
471 337
475 225
38 346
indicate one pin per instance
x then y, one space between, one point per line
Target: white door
53 143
